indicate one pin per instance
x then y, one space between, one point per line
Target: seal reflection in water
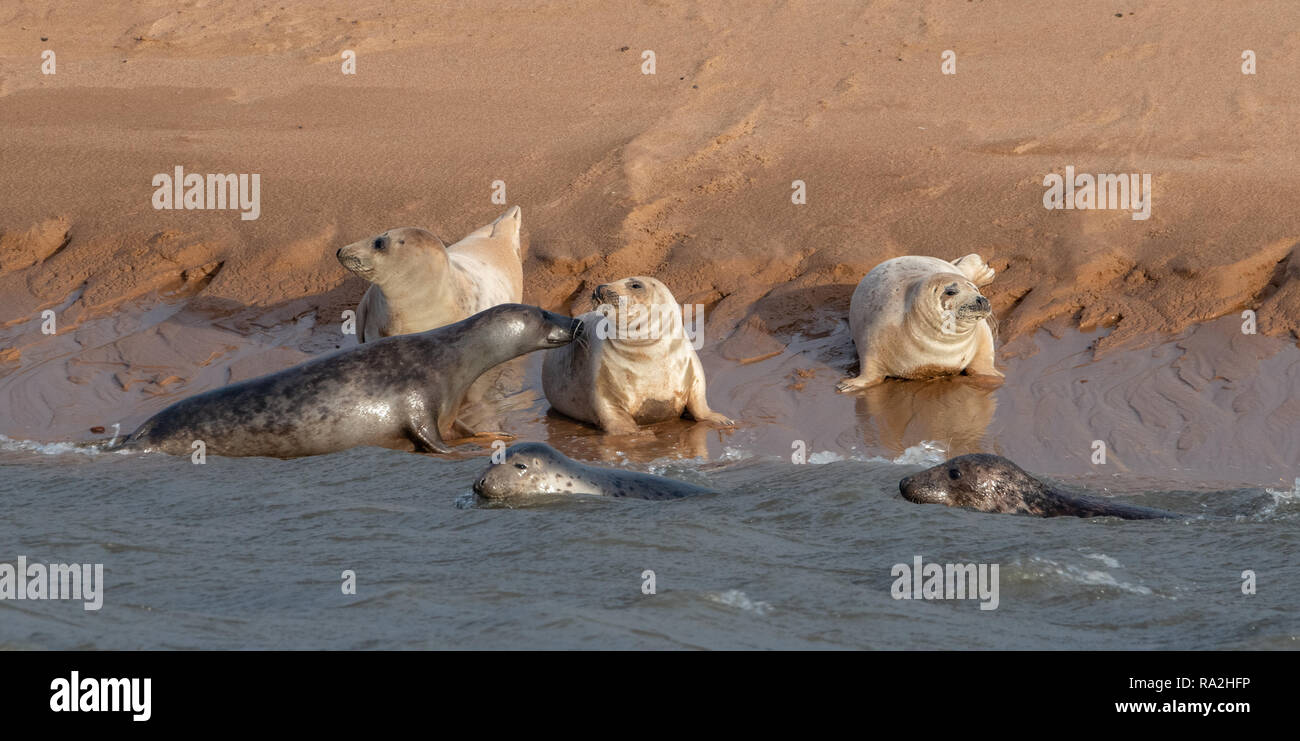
991 483
537 468
396 391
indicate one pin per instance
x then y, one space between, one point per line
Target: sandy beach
685 175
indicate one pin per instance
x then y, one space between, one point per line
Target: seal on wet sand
991 483
395 392
538 469
636 366
919 317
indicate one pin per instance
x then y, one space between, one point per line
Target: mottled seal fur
395 391
636 366
918 317
991 483
537 468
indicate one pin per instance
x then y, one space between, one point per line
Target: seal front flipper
869 376
427 440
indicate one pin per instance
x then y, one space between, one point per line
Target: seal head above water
537 468
991 483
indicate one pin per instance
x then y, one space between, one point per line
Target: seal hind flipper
428 440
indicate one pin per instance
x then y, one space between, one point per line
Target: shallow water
248 553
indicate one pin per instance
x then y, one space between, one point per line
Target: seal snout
563 329
905 488
604 294
978 306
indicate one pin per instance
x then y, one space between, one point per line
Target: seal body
396 392
635 365
418 283
991 483
539 469
920 317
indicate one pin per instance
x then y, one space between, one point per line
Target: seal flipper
974 268
428 440
465 430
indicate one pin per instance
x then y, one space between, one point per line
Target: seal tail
974 268
508 225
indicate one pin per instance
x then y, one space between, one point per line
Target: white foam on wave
1110 562
1090 577
735 454
738 599
59 448
923 453
1279 497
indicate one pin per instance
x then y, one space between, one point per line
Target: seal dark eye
379 243
635 285
954 474
521 467
950 292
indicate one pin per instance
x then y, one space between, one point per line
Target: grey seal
395 391
991 483
537 468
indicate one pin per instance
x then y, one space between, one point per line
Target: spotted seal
991 483
398 391
537 468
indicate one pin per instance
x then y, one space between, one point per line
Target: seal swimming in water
991 483
920 317
399 390
537 468
636 367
